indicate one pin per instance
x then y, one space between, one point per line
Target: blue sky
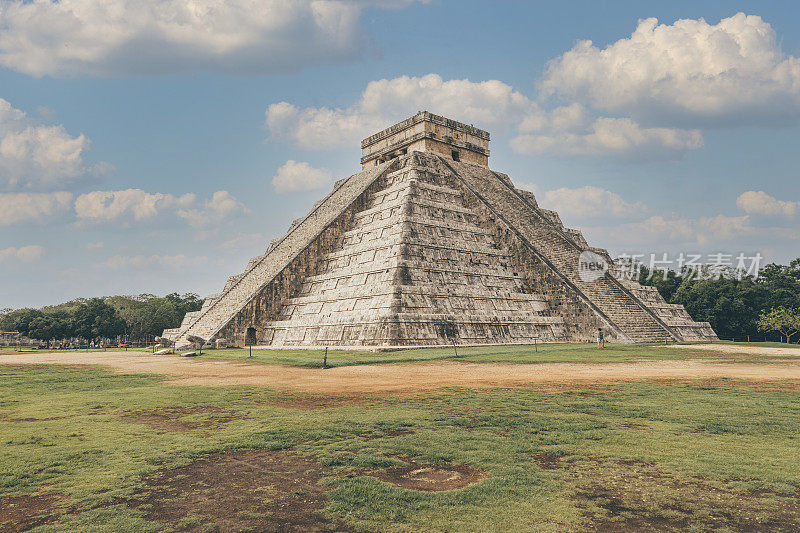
155 148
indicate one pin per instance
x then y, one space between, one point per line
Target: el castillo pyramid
426 246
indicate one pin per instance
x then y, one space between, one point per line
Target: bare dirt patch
547 461
716 384
406 378
768 351
638 496
311 402
5 418
21 513
635 425
172 418
245 490
430 477
777 386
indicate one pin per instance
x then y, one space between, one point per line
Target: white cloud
565 130
16 208
658 86
761 203
573 117
95 245
24 254
243 242
707 234
136 204
141 262
527 186
39 157
296 176
722 228
612 136
658 230
222 206
385 101
128 37
692 71
590 202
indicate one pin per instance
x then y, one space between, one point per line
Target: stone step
239 293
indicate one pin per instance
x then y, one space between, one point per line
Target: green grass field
87 449
543 353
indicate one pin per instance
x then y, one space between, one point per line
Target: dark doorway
455 155
250 337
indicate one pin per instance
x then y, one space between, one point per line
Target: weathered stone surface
241 290
426 132
410 251
621 311
414 259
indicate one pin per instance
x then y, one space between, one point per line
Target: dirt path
405 377
739 348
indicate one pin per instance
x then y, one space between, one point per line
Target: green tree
781 319
666 284
95 318
731 305
46 327
147 314
141 315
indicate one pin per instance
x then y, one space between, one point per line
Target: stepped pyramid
424 246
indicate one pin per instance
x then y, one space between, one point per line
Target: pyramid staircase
624 313
413 259
242 288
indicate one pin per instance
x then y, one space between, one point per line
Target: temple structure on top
426 132
425 246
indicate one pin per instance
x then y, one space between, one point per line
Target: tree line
759 307
136 317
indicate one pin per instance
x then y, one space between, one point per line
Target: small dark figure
601 340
